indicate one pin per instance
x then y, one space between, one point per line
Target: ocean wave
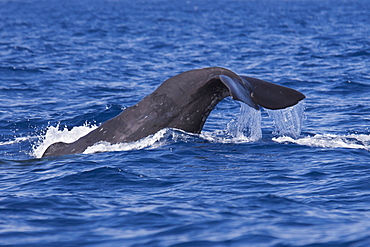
16 140
30 69
352 141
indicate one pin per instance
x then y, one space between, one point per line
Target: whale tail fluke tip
273 96
255 92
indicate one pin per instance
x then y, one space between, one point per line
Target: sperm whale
183 102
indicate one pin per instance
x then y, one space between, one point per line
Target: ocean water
296 177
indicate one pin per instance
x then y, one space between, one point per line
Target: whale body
183 102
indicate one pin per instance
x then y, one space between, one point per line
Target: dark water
71 65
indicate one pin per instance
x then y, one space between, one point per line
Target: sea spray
55 134
352 141
288 121
156 140
247 125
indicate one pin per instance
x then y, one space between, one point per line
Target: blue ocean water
67 66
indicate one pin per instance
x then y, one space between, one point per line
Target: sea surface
295 177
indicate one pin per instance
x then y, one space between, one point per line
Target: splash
248 124
54 134
246 128
153 141
352 141
288 121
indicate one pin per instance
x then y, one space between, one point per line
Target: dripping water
247 125
288 121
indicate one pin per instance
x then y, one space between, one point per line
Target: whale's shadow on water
182 102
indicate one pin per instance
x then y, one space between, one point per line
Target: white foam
246 128
54 134
153 141
353 141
